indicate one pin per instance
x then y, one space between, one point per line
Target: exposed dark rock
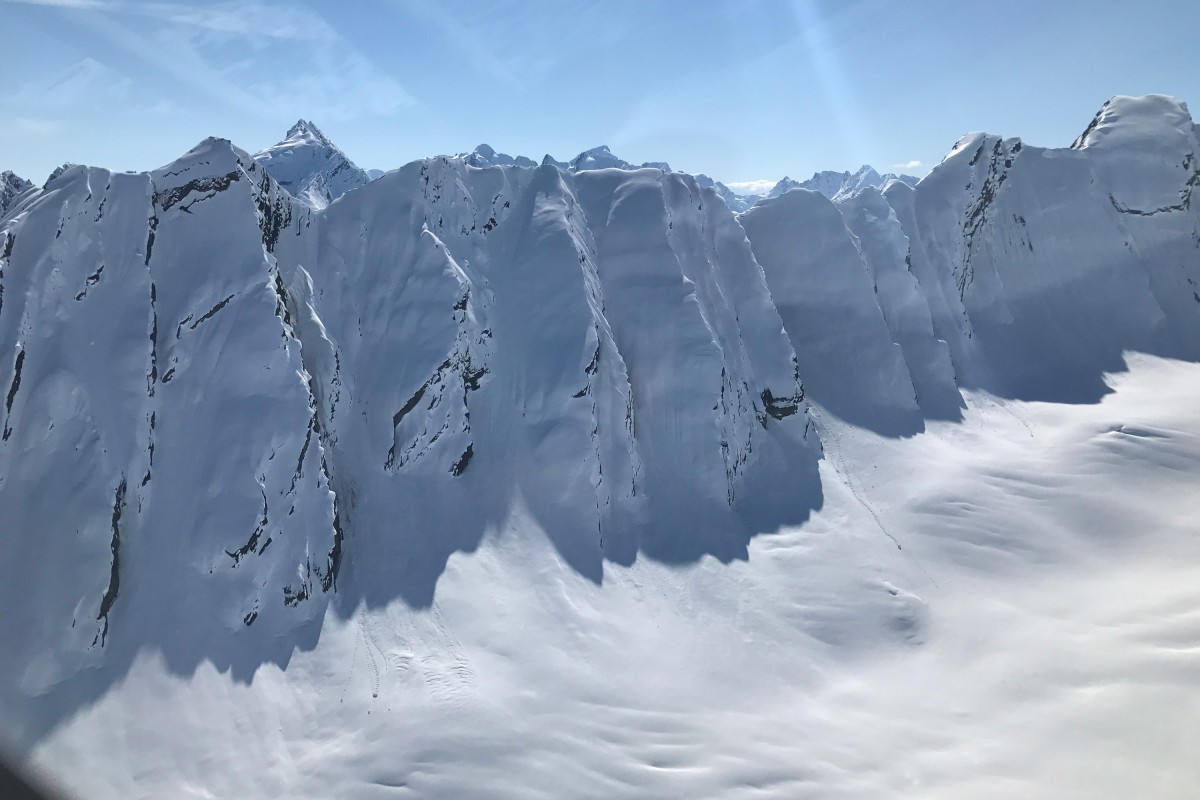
779 407
208 186
251 544
209 314
89 282
460 466
114 578
12 393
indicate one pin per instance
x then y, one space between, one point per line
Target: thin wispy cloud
907 165
80 83
326 75
93 5
246 19
34 126
458 32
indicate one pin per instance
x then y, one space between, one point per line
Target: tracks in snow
833 452
411 646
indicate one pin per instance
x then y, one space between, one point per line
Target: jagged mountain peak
307 130
838 185
310 166
484 155
12 186
10 178
785 184
599 157
602 157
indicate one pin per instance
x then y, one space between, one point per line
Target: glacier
521 457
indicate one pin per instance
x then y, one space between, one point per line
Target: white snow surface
501 480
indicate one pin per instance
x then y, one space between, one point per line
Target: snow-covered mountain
602 158
457 484
596 158
485 156
838 185
311 167
12 188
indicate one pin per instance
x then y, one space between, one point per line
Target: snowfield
1036 637
486 478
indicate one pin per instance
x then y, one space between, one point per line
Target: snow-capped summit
307 131
596 158
844 185
736 202
486 156
12 186
834 185
603 158
310 166
786 184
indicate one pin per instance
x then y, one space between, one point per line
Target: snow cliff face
1024 271
831 311
206 422
519 334
310 166
153 368
1043 265
227 404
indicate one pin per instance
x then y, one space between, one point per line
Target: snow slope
501 480
1034 638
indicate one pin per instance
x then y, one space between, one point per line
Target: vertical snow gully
288 316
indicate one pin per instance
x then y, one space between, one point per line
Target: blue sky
741 89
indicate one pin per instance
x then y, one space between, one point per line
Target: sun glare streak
820 48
